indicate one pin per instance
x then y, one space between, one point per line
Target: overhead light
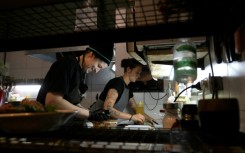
113 67
24 91
171 76
27 88
154 78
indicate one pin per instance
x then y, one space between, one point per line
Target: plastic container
140 108
185 61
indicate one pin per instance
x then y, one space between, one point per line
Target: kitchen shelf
42 24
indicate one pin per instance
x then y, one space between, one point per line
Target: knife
154 122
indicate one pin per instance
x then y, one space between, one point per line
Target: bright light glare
113 67
154 78
171 76
26 91
27 88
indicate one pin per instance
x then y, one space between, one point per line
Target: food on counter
50 108
10 108
32 105
105 124
26 105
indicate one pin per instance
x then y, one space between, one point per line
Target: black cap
103 50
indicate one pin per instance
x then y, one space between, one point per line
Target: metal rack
89 15
59 23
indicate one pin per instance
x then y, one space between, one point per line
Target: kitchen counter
76 138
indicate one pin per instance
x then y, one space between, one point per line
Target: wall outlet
212 84
215 83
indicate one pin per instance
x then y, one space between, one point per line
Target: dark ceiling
16 4
37 24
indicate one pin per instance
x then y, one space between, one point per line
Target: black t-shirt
118 84
64 76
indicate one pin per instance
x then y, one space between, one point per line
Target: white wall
152 105
121 53
22 66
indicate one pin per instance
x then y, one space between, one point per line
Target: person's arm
57 100
133 105
109 105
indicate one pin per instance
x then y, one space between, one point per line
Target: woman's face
134 73
97 66
93 64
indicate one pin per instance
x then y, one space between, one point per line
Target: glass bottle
189 118
184 61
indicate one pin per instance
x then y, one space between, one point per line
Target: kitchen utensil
217 40
155 122
240 39
229 42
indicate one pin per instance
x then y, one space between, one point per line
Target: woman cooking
64 83
116 95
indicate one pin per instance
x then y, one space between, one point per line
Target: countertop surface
74 137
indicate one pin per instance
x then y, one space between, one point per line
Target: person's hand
99 116
138 118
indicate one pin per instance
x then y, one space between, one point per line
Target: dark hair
89 49
131 63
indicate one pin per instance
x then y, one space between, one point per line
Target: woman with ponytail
116 95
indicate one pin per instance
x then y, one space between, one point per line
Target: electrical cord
154 99
157 99
197 86
158 96
210 61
